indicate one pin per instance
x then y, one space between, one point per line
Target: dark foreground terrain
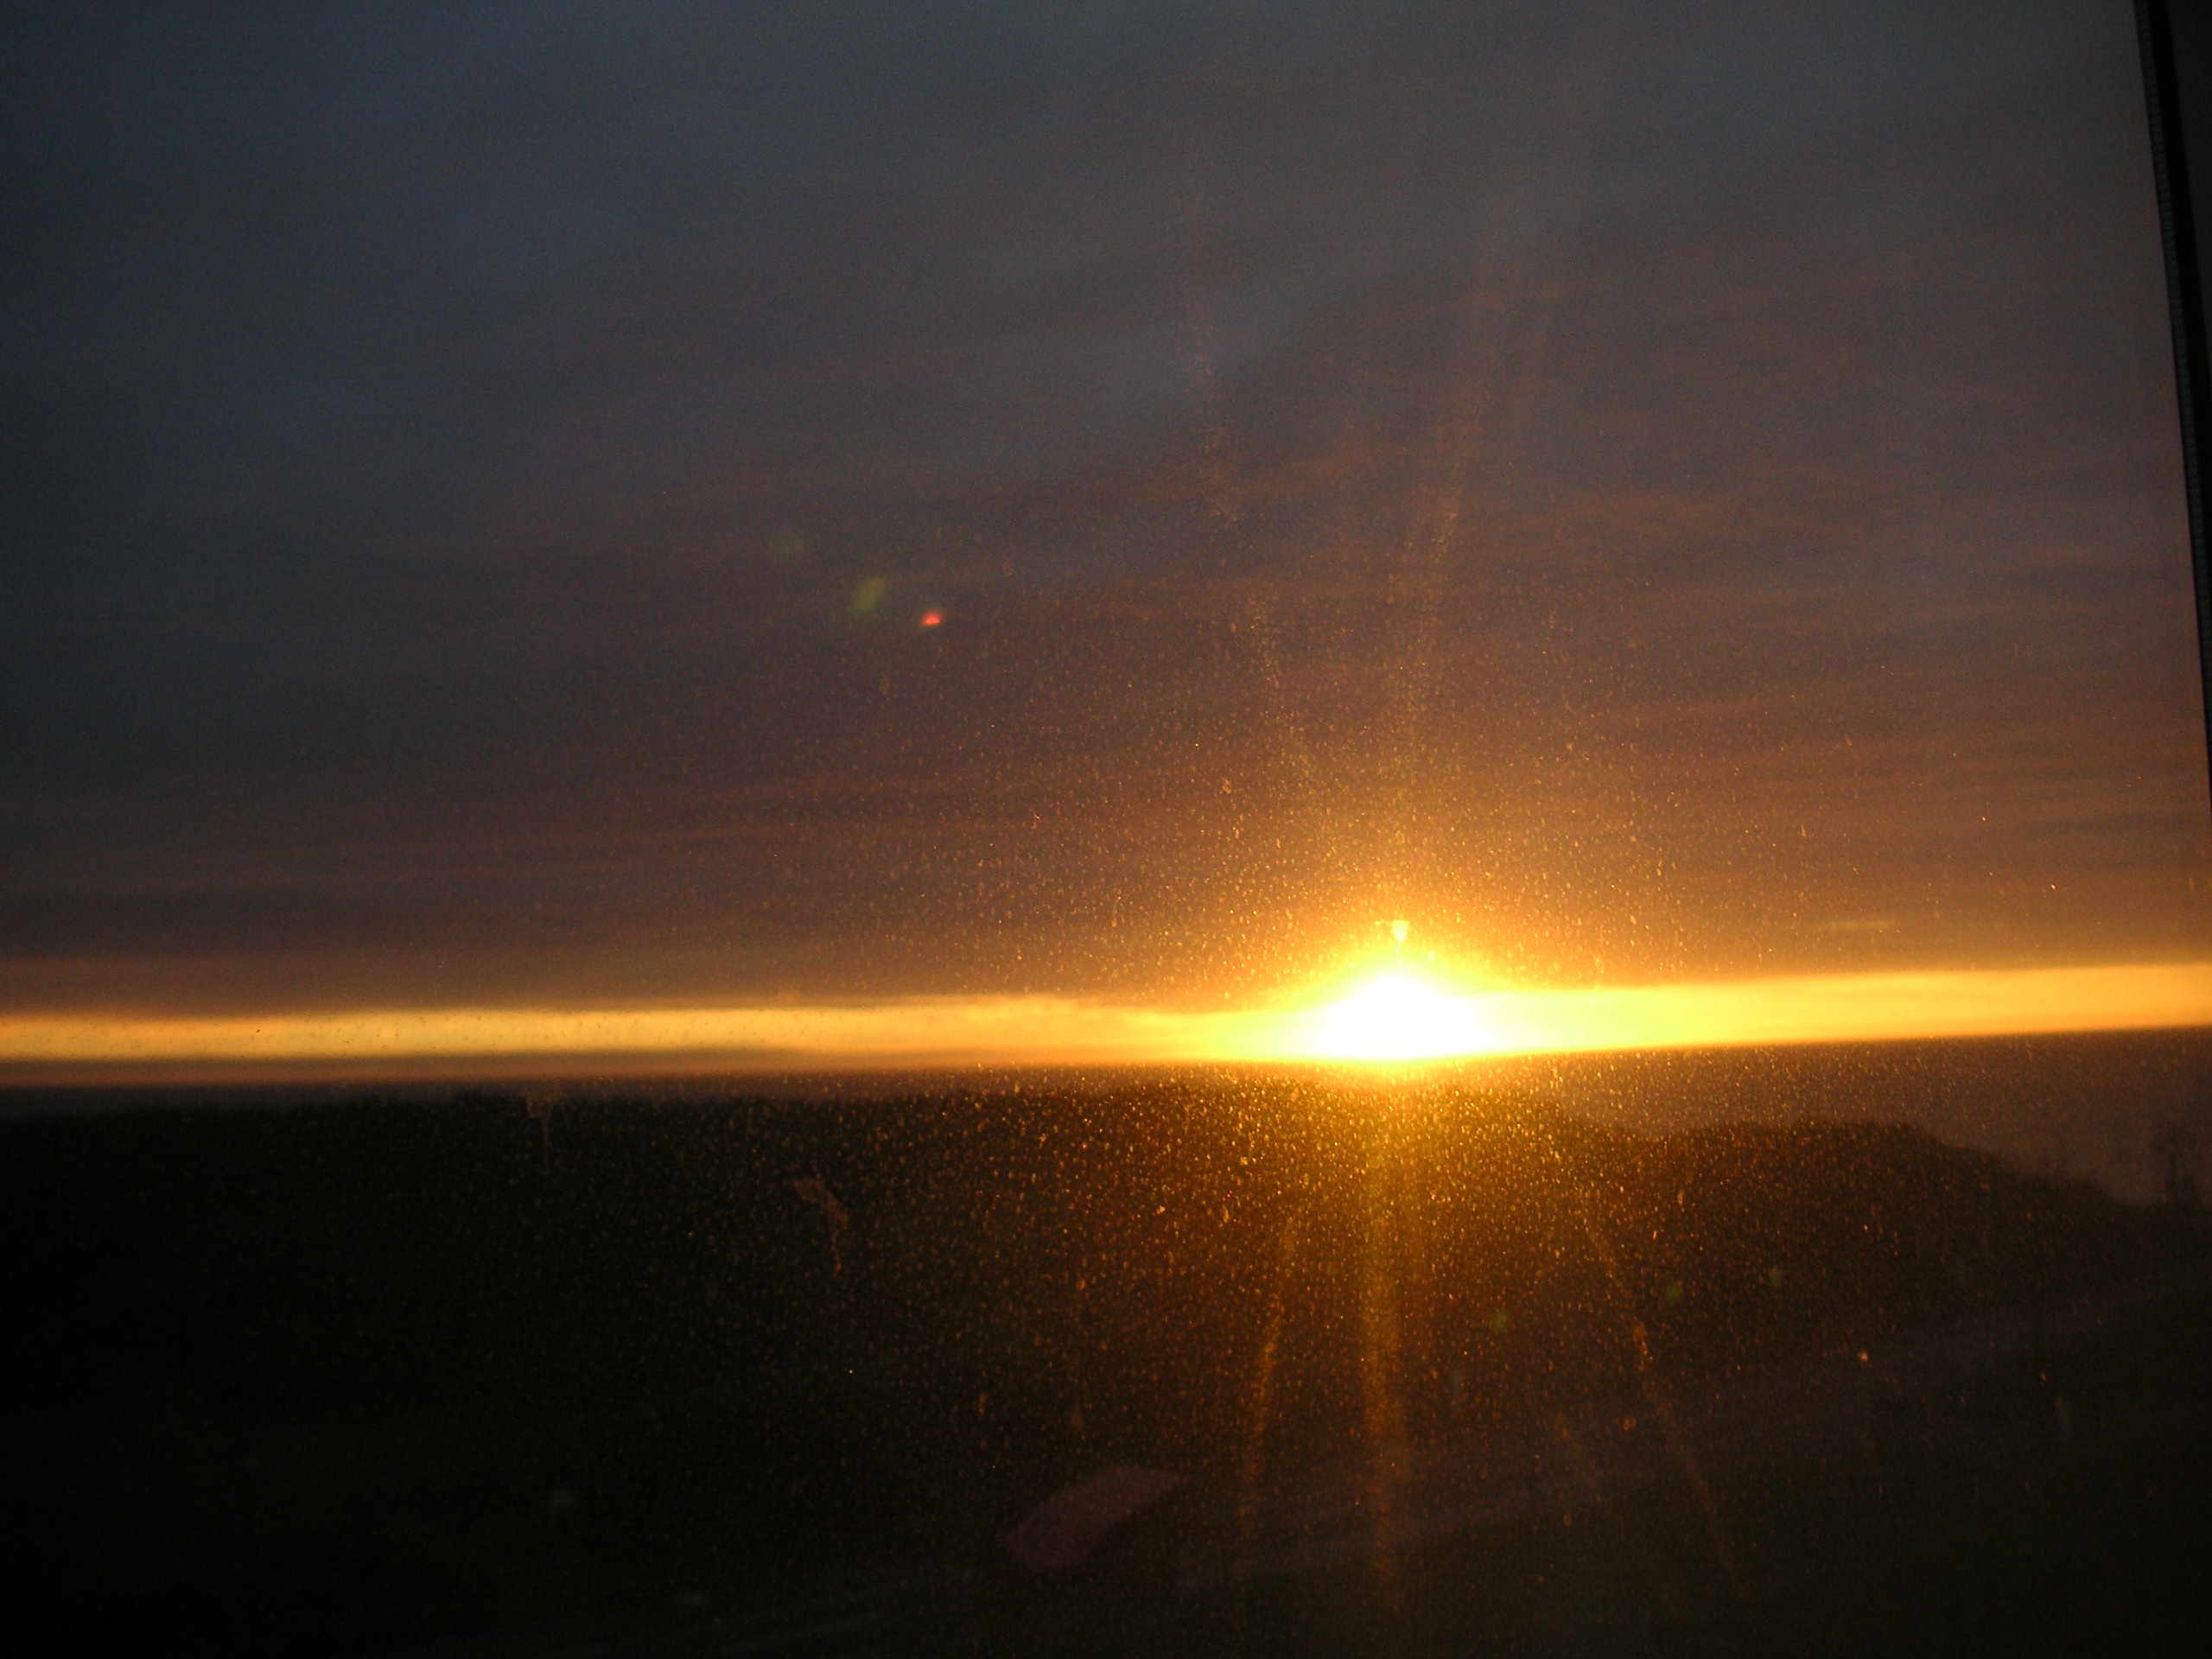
1441 1369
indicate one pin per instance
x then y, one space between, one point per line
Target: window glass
1112 827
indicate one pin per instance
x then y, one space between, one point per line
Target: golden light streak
1396 1024
1017 1028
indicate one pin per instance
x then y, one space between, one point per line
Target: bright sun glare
1395 1016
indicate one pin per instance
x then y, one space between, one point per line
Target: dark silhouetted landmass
386 1372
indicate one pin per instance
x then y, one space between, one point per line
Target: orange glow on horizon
1394 1019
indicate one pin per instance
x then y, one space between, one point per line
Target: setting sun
1395 1016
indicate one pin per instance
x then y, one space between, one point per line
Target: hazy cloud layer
1642 495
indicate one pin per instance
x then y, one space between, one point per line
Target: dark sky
1645 493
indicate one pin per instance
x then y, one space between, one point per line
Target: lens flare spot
931 618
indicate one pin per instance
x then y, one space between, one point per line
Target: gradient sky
1645 494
